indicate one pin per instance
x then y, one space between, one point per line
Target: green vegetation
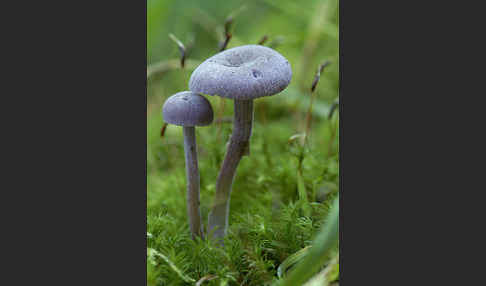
283 192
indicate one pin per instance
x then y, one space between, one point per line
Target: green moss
267 222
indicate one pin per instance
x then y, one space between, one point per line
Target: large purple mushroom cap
244 73
187 108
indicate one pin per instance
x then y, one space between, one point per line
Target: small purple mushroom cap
187 108
244 73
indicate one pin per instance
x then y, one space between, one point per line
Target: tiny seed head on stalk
228 23
334 107
308 120
227 34
263 40
182 48
162 131
224 44
318 74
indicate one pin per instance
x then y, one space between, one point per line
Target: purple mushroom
243 74
189 109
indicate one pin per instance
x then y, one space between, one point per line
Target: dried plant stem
238 147
162 130
224 44
308 118
332 138
192 174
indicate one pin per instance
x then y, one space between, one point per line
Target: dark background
79 217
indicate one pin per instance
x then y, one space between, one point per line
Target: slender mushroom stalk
242 74
189 109
192 175
237 148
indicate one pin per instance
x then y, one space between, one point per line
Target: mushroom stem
237 148
192 174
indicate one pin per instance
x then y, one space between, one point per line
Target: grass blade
317 255
151 253
291 260
326 276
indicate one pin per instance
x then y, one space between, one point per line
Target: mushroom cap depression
245 72
187 108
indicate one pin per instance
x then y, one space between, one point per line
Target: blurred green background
308 29
307 34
